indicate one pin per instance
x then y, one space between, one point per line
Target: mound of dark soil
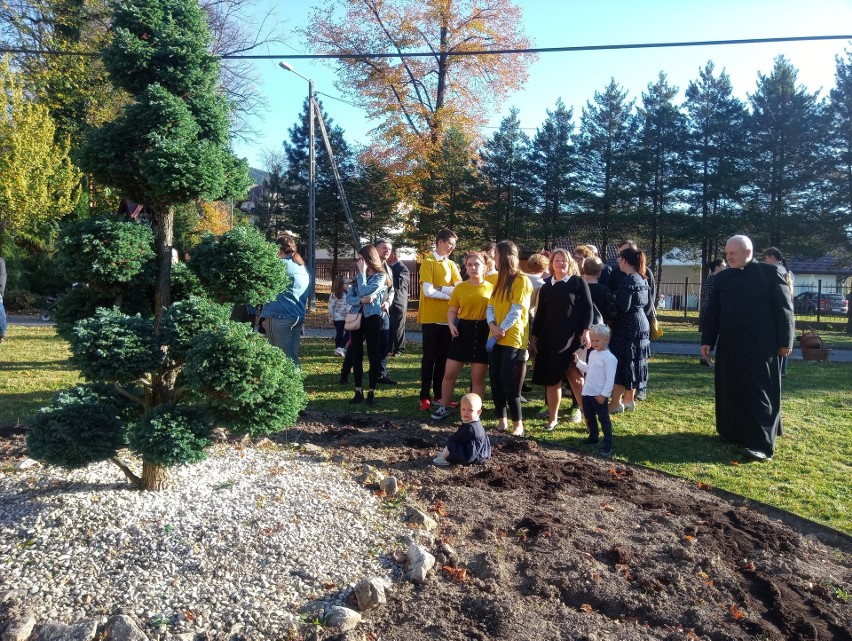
555 544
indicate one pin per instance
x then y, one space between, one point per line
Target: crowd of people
579 324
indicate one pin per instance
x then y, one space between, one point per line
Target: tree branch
128 395
135 480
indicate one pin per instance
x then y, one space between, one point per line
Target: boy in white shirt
600 377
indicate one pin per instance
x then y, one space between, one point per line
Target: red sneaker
425 405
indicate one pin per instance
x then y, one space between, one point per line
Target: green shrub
185 319
240 266
185 283
112 346
104 251
171 434
76 304
20 300
82 425
251 386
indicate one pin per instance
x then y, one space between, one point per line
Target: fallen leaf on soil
189 615
689 537
502 532
457 575
587 608
704 486
748 566
329 586
737 613
606 507
439 509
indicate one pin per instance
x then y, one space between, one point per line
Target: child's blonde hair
472 398
600 330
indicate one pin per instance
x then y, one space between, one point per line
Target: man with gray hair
750 314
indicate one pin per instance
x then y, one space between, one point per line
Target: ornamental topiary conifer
169 146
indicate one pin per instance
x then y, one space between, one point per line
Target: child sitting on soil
469 444
600 377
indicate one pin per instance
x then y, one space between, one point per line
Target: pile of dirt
559 544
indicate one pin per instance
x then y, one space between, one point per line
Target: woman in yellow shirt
507 316
469 329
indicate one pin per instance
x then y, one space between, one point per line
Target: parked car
806 303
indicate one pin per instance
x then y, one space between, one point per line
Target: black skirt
469 345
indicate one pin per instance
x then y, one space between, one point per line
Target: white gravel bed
246 537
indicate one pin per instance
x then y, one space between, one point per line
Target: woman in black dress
713 268
631 336
561 327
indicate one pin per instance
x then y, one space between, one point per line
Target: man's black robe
751 314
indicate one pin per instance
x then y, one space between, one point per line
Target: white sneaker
441 413
576 416
340 351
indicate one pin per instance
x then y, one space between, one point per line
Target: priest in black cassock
750 314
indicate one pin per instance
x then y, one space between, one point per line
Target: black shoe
606 453
359 396
371 399
344 380
703 363
589 441
757 455
526 388
384 380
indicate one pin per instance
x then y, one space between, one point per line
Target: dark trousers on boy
593 411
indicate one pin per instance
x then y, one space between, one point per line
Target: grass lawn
33 365
673 431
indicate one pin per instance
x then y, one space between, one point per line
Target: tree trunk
165 218
154 477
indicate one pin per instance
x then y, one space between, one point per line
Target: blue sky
576 76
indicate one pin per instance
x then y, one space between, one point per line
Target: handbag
352 321
654 325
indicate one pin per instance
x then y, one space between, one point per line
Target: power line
493 52
479 52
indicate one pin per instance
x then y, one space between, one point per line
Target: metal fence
325 276
685 296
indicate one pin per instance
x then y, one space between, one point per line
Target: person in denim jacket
367 295
284 317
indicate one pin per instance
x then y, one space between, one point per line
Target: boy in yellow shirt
438 277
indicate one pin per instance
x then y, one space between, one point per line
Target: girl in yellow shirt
507 316
469 329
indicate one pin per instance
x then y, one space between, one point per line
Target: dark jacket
469 444
401 279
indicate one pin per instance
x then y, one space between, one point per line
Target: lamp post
312 191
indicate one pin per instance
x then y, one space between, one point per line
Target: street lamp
312 192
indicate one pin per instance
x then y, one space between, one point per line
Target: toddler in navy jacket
469 443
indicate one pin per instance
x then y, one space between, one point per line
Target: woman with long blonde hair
562 320
507 315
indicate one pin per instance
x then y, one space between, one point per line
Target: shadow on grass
51 365
20 407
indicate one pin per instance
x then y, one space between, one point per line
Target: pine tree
662 151
786 132
450 196
838 223
607 168
717 149
553 162
505 169
332 229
